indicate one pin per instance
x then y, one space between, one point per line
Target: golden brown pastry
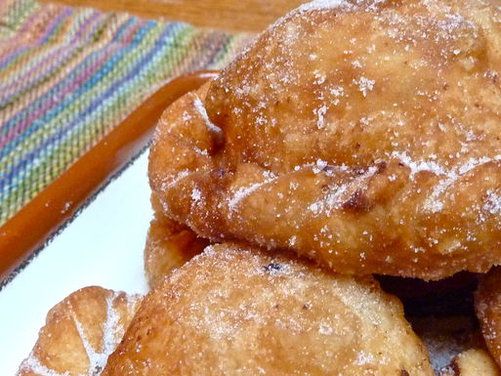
488 308
473 362
80 333
234 310
363 134
169 245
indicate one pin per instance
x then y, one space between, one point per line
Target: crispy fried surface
169 245
472 362
80 333
488 308
234 310
364 136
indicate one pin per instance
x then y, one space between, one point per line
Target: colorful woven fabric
68 76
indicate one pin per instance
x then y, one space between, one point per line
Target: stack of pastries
355 144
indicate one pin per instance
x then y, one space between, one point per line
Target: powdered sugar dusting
33 364
196 195
200 107
339 193
320 112
322 5
433 203
97 359
419 166
493 202
365 85
112 330
174 180
364 358
244 192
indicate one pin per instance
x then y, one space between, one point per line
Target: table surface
234 15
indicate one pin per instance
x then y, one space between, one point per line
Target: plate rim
29 230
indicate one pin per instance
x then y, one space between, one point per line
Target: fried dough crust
473 362
169 245
80 333
363 134
234 310
488 308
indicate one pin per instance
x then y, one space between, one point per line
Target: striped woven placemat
69 75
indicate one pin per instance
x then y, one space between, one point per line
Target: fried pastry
473 362
363 134
169 245
80 333
488 308
235 310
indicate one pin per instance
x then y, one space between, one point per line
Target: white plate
103 246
